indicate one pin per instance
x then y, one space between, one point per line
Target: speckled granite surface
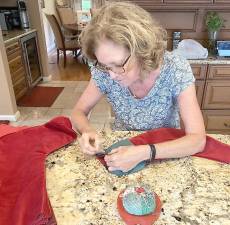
10 36
193 190
211 60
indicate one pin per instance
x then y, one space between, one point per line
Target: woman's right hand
90 142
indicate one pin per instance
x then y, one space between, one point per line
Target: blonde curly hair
128 25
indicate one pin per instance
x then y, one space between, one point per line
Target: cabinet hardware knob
227 125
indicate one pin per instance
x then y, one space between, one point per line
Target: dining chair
67 18
63 44
66 15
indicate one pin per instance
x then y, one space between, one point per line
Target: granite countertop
211 60
9 36
192 190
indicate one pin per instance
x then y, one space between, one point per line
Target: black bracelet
152 152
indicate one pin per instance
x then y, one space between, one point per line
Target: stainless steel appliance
23 14
3 21
29 44
176 39
16 18
9 18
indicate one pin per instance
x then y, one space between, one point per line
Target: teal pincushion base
138 201
138 167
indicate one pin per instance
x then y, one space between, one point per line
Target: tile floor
100 116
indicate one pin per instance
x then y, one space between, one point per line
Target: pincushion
138 201
119 173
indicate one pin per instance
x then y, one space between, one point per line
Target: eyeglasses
116 69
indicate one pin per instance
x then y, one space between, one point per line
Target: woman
146 85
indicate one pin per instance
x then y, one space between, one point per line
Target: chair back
56 30
63 3
67 16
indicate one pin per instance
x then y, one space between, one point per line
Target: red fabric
7 129
23 195
214 149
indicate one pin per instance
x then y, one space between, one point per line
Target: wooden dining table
75 27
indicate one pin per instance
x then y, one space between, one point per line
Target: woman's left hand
126 157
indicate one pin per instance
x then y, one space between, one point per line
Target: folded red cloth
214 149
7 129
23 195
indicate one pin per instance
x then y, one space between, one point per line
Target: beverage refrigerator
29 45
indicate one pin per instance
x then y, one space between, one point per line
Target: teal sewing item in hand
138 167
138 201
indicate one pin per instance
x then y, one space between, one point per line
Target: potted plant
213 22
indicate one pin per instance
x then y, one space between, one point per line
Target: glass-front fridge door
32 60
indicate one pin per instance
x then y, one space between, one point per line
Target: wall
49 9
8 108
36 21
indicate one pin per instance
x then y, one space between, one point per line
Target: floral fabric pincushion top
138 201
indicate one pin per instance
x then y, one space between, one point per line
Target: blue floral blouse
159 108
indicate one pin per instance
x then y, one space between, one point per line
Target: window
86 5
83 5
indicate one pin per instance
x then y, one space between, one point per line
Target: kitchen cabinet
217 94
222 1
181 2
219 72
17 70
164 2
199 90
188 1
24 63
199 71
216 99
147 2
213 94
217 121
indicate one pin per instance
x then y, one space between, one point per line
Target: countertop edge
220 61
19 36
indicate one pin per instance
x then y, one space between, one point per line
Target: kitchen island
192 190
